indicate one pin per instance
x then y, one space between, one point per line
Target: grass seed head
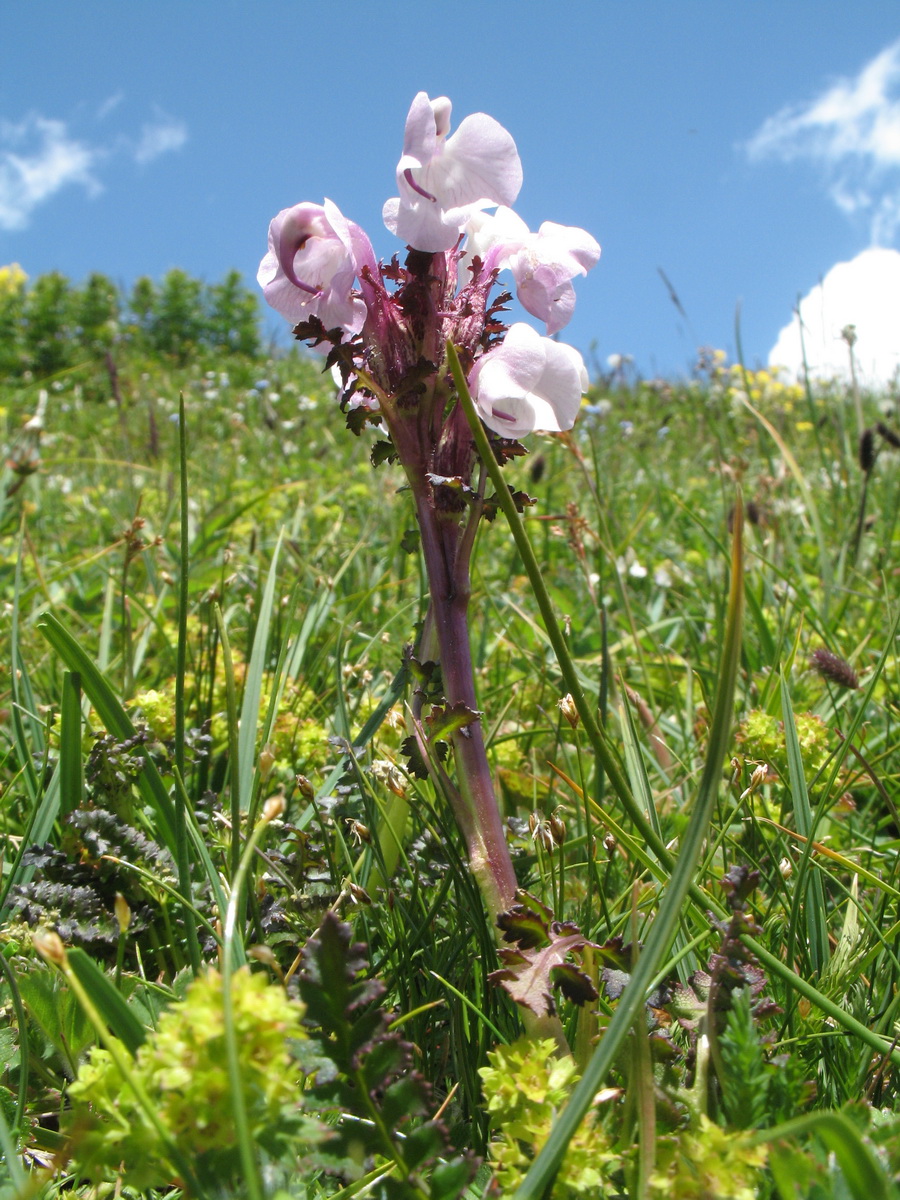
834 668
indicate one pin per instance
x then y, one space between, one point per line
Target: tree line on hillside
52 324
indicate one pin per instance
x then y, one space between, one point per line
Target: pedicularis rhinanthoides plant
385 328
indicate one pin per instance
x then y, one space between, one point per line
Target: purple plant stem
477 814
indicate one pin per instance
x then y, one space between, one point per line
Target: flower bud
358 831
273 808
122 911
867 450
834 668
567 708
759 776
557 828
266 760
263 954
49 945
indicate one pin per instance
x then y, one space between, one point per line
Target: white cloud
159 137
852 131
37 159
864 292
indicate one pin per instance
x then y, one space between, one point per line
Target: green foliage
53 325
525 1086
630 529
708 1162
758 1089
74 887
364 1071
182 1069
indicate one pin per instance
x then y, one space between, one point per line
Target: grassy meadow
242 953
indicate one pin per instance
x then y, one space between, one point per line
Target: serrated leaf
406 1098
410 541
521 500
527 922
359 417
574 984
360 1064
426 673
415 763
614 982
424 1145
9 1046
382 452
334 995
528 976
540 960
444 721
56 1012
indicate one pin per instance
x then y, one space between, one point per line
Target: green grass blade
636 768
6 970
114 717
662 931
249 723
810 895
863 1173
840 1016
107 1000
71 764
17 1176
38 829
181 799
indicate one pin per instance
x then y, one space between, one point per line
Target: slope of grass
292 796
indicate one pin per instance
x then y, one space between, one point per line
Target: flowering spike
384 330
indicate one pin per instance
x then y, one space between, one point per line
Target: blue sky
738 147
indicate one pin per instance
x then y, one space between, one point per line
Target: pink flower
314 256
443 180
542 263
528 382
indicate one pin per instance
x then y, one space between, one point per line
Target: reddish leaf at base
539 963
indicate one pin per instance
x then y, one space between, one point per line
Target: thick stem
477 812
446 550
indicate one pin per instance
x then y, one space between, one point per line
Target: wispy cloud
39 157
109 105
160 137
852 131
